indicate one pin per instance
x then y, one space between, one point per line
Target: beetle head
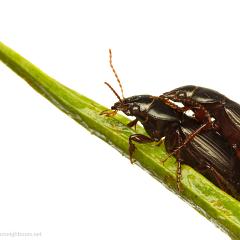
181 93
133 106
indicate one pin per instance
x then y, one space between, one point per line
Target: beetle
207 104
207 152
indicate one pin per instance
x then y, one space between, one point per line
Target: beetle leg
172 105
237 150
209 124
133 123
179 166
179 173
217 176
139 138
203 167
201 113
187 140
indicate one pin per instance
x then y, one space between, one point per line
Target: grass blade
206 198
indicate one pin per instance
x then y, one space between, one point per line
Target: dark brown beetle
208 152
207 104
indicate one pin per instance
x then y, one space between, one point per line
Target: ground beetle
207 152
207 104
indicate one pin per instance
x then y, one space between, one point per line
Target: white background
55 177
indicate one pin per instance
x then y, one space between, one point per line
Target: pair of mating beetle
208 141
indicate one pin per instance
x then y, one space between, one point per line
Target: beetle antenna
120 100
115 73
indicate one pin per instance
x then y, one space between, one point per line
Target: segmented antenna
115 73
120 100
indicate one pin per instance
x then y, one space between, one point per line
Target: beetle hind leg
179 174
219 180
173 143
186 141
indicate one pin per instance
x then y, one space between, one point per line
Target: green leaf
206 198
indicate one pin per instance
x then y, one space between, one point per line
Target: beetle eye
181 94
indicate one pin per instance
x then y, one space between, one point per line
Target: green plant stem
206 198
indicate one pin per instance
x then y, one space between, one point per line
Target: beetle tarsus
179 175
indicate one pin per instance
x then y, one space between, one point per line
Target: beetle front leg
139 138
172 105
